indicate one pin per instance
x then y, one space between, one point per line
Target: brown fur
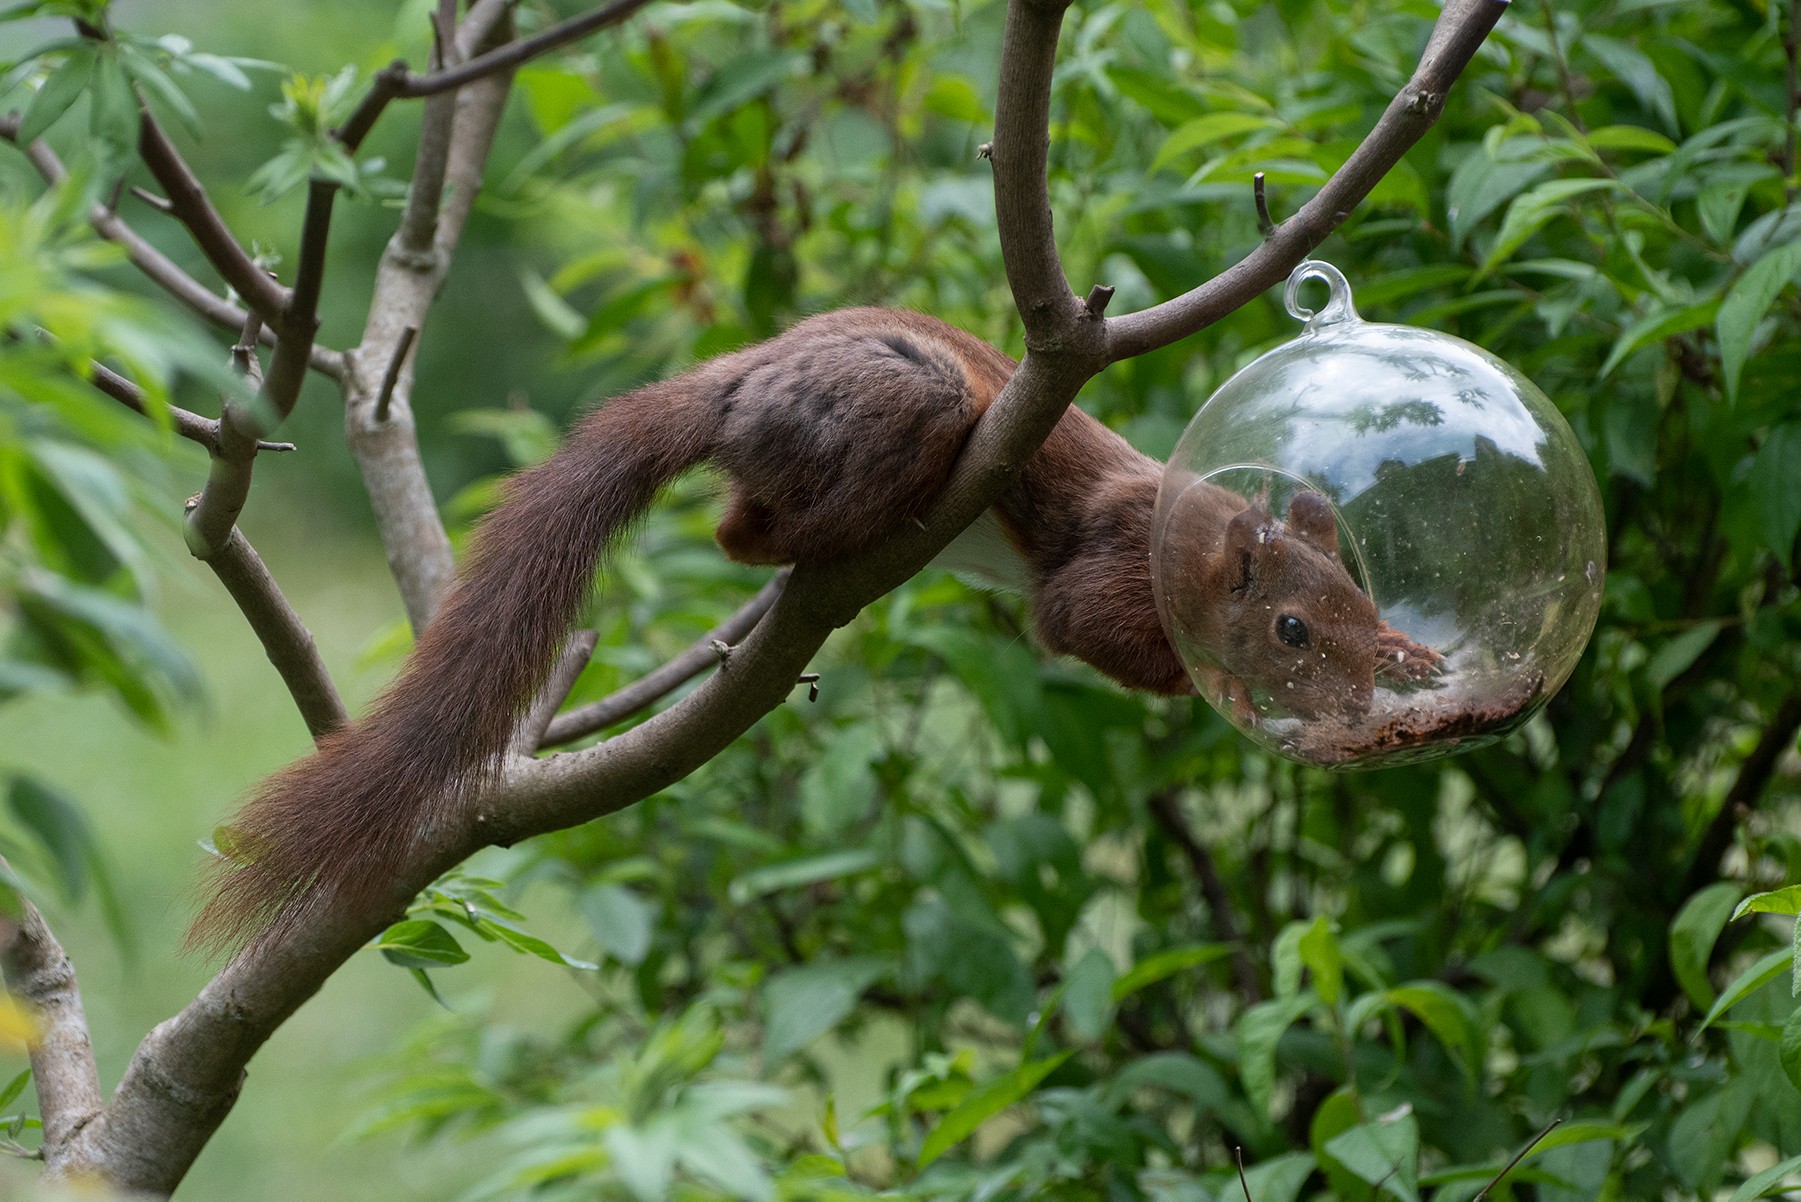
829 435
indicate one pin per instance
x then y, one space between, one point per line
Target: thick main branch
40 974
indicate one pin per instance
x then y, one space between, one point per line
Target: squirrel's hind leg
833 446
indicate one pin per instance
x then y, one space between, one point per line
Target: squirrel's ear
1250 535
1310 516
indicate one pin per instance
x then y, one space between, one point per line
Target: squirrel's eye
1291 630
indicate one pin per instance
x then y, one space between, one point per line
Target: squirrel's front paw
1400 658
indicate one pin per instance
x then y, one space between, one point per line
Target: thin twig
1518 1156
1265 226
285 638
191 206
645 692
392 375
513 54
191 426
1243 1184
213 513
40 974
159 203
478 26
419 220
382 89
444 35
569 665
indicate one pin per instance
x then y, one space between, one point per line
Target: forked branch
186 1073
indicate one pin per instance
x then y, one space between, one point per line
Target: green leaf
430 986
1760 1185
955 97
1656 327
112 113
14 1088
57 95
1285 959
1205 131
1481 184
984 1103
1674 657
1775 901
420 943
1747 983
741 80
801 1004
808 870
1568 1135
1279 1179
1319 950
1259 1029
1693 933
1384 1154
1771 482
1534 210
1630 137
1749 298
148 74
1164 964
1447 1014
621 920
1088 994
1177 1072
59 827
531 945
1788 1048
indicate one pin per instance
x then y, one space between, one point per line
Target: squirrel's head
1296 627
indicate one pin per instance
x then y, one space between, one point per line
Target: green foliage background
976 924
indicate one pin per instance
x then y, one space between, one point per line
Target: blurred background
966 861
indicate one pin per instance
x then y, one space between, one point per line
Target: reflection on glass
1377 543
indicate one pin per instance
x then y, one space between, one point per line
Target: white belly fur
983 556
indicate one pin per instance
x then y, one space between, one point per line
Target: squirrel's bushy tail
342 820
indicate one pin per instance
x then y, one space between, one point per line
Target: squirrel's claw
1400 658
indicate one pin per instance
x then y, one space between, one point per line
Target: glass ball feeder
1377 543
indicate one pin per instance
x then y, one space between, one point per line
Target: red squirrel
829 435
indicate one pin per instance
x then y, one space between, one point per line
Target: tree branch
478 26
513 54
382 437
285 639
40 974
185 1075
157 267
191 426
555 690
214 512
190 205
1020 154
419 222
1460 30
656 685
